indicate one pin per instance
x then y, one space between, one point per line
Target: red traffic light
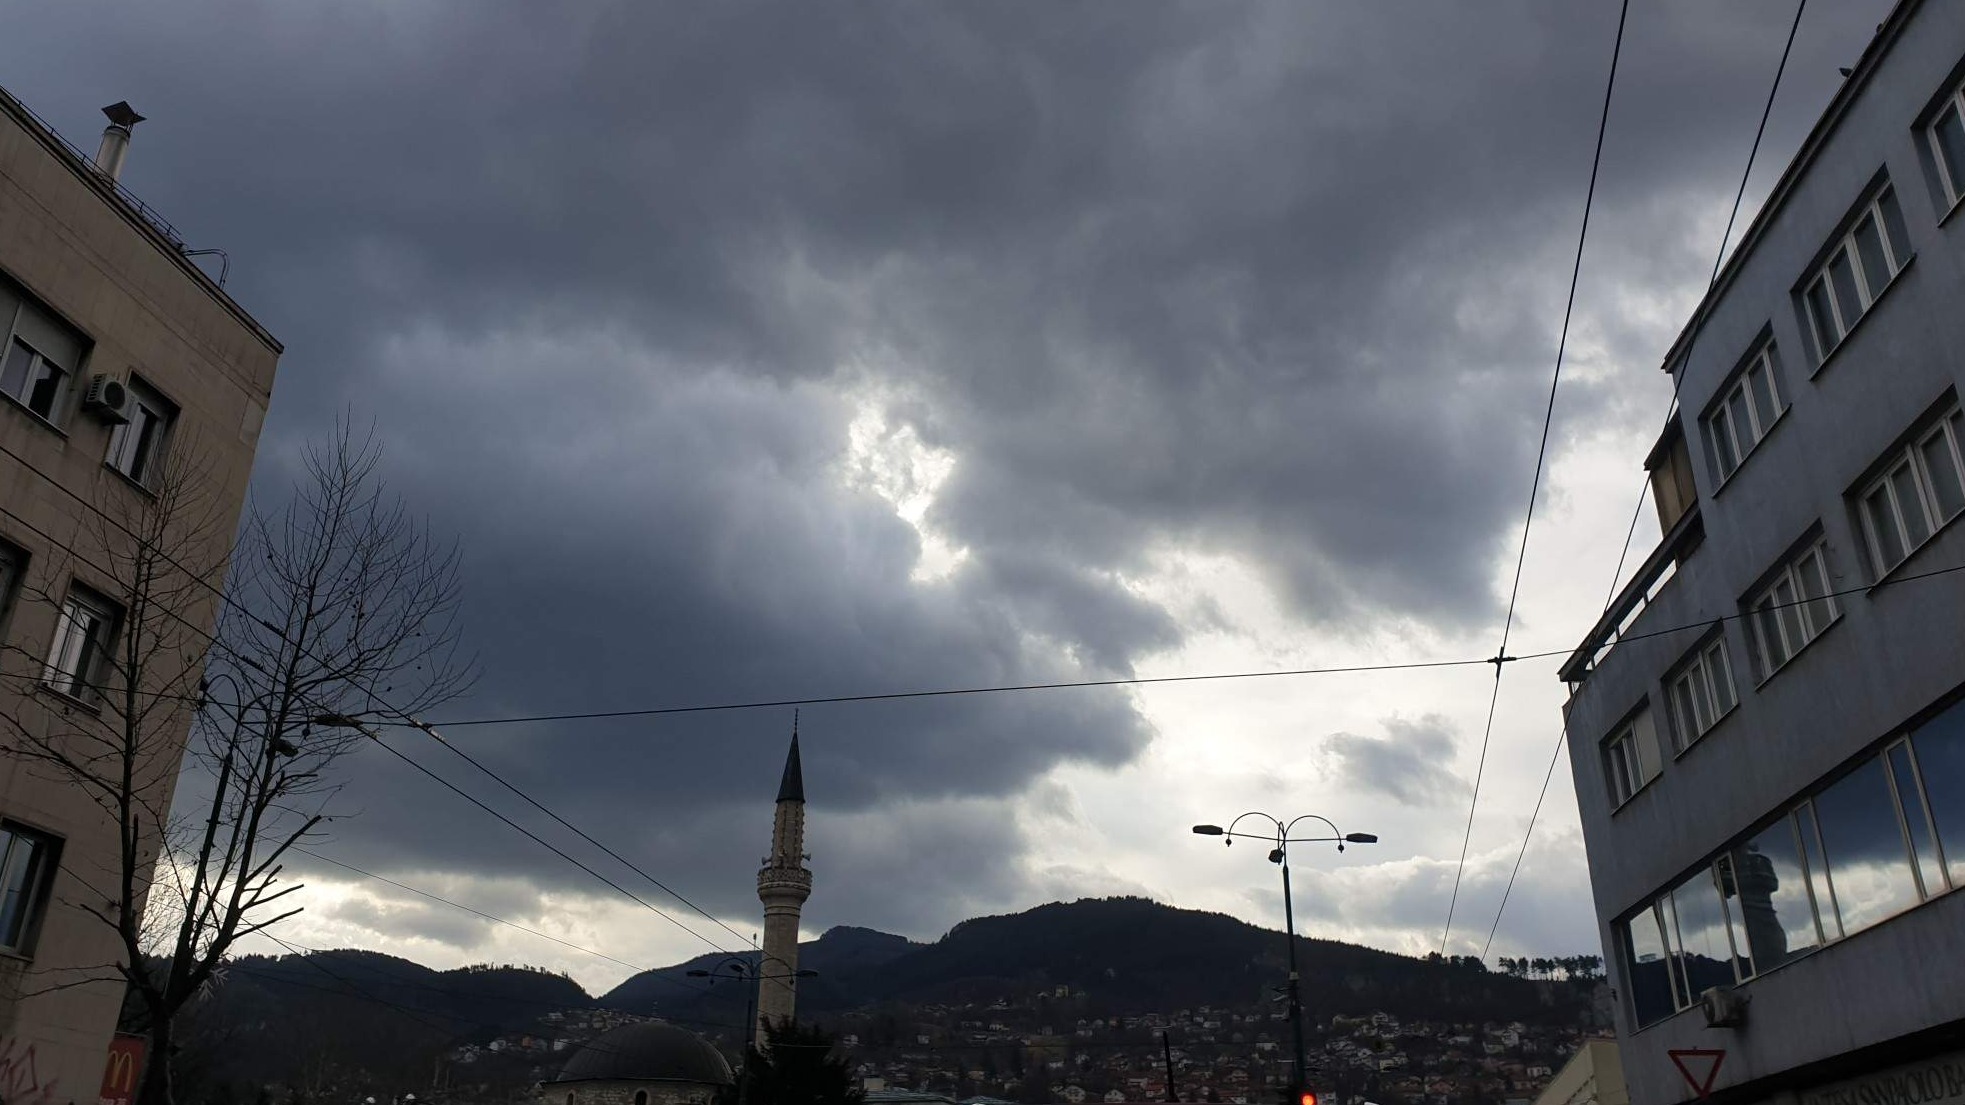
1306 1098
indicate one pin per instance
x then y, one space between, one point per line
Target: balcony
1686 534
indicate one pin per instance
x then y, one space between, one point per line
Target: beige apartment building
118 356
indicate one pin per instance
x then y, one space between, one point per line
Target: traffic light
1307 1097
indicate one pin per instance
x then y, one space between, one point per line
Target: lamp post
1279 855
740 967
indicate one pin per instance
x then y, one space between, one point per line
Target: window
38 353
1870 845
12 561
1701 692
136 448
1630 757
1921 489
1743 414
81 645
1859 266
1791 610
24 869
1947 133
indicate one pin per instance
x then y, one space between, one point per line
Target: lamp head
1361 838
1208 830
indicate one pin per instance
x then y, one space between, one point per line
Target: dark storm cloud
1277 281
1410 764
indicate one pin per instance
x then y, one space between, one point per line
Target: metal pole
1167 1049
1295 991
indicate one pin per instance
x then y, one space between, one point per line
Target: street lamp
1279 854
739 967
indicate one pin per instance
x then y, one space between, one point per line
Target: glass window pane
1760 381
1910 503
16 871
1942 464
1868 863
1822 313
1811 572
1650 979
1721 674
1644 738
44 388
1910 799
1940 745
1770 897
13 376
1848 299
1767 631
1725 458
1950 134
1789 615
1818 881
1881 518
1876 263
1705 957
1736 408
1893 225
1617 762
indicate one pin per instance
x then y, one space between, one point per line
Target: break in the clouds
760 351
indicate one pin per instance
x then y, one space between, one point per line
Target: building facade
1767 728
119 358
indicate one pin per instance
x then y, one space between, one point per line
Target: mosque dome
648 1052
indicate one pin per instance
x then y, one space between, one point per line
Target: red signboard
122 1071
1699 1065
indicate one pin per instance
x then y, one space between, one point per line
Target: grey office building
1767 728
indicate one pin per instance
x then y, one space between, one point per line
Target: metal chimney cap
122 114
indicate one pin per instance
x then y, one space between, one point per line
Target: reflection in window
1767 891
1868 862
1651 978
1818 871
1917 823
1940 746
1705 955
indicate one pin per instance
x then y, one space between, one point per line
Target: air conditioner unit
108 399
1725 1007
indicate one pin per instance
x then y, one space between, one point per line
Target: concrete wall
147 310
1895 650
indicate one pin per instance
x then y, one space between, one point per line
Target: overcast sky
761 351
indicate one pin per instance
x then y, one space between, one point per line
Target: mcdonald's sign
121 1071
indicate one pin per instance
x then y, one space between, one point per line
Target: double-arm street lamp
1279 854
748 971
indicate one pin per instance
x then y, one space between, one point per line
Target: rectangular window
1765 882
39 354
136 448
1743 414
1700 939
1859 266
1790 610
1921 489
1631 758
1863 840
1947 137
1654 986
81 648
1701 692
24 869
1939 745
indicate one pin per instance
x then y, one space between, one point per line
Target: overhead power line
1501 656
1678 382
216 641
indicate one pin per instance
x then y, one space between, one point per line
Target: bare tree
338 602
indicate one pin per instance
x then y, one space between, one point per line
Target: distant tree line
1577 967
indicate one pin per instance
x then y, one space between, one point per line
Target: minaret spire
783 884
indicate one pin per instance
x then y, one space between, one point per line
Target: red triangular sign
1699 1065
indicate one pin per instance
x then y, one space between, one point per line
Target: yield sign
1699 1065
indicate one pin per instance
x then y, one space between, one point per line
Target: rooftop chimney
116 138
